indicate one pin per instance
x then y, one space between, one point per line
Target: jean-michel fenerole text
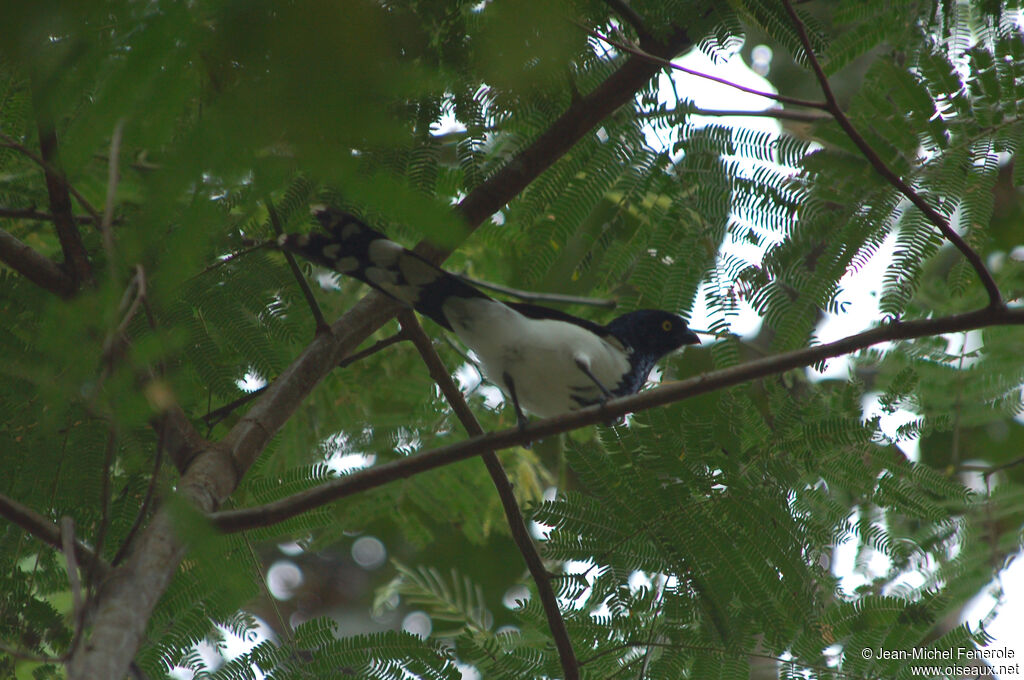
954 654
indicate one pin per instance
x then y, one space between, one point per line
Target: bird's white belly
539 355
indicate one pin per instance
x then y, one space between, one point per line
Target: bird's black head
652 333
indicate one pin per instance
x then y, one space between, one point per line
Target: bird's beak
691 338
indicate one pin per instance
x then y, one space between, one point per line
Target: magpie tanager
546 361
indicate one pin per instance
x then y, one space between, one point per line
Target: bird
546 361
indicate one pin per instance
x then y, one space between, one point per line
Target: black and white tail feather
547 362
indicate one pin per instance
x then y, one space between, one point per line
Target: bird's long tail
352 248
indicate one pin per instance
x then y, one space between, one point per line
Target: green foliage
459 601
318 651
696 540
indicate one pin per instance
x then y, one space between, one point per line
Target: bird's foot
521 422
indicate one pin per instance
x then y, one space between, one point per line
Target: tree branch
113 177
76 258
101 534
933 215
33 214
213 417
28 656
233 256
577 121
285 508
529 296
633 18
147 501
182 442
34 266
45 530
989 470
666 63
123 610
11 143
128 596
516 522
778 114
117 340
67 535
318 316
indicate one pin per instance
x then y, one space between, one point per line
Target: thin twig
76 257
140 517
528 296
29 656
989 470
667 63
233 256
633 18
933 215
667 393
11 143
140 163
116 341
777 114
101 533
214 417
660 585
514 516
282 622
321 324
33 214
112 181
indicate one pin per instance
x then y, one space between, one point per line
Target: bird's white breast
540 355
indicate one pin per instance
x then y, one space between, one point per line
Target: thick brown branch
933 215
181 440
128 596
513 515
278 511
34 266
76 258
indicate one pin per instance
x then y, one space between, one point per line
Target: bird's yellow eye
666 325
